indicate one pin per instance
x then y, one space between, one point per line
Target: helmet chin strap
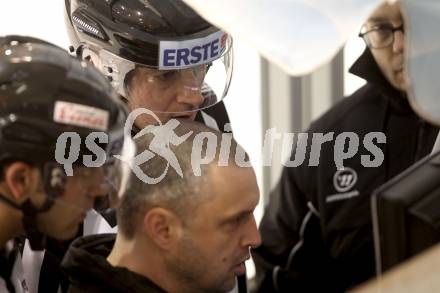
37 240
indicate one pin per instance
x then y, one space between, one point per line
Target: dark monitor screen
406 213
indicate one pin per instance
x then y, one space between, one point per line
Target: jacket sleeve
292 257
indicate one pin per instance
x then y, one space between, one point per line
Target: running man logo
344 179
164 136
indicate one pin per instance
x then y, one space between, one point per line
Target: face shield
194 73
91 186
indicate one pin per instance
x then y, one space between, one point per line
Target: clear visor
175 90
89 185
81 190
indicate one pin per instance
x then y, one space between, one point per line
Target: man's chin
400 82
402 87
229 285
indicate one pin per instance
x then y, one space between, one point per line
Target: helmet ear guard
54 179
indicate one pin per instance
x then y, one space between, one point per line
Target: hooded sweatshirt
86 265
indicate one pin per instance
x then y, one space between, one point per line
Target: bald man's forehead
232 188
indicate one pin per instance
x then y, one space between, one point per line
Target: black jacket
88 270
317 237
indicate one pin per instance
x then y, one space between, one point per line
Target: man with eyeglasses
316 230
383 33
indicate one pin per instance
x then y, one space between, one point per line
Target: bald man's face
217 238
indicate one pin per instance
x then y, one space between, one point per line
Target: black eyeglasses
381 36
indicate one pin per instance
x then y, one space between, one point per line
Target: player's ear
21 180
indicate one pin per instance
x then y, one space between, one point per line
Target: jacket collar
366 68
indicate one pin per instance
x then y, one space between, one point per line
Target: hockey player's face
69 210
217 238
391 58
172 93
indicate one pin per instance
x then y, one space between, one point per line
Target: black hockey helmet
45 93
120 35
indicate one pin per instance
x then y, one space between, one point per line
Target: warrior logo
344 179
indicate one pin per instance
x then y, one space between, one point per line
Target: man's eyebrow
239 214
378 19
